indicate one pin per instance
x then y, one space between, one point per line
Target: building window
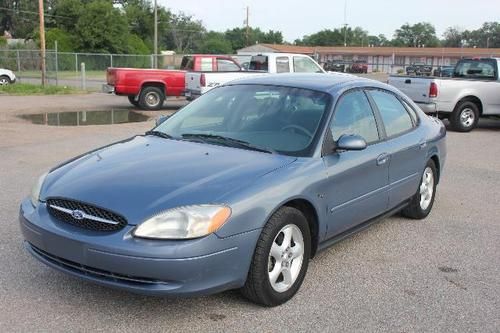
399 60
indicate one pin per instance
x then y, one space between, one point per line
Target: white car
6 77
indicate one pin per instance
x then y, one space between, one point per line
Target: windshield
280 119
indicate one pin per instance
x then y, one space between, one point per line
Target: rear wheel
133 101
421 203
4 80
280 259
151 98
465 116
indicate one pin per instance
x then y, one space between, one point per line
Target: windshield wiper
227 141
159 134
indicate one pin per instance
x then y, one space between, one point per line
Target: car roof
329 83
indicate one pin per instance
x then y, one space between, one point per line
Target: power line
32 12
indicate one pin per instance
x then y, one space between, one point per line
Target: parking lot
439 274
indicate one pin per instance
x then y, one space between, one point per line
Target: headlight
35 192
184 222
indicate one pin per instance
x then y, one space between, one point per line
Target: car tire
421 203
273 263
4 80
465 116
151 98
133 101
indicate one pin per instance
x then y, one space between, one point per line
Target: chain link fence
65 68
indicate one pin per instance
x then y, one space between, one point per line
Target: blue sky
296 18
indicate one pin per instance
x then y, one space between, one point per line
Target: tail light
433 90
203 81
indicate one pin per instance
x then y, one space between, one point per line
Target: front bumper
153 267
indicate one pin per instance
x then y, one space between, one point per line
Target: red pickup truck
148 88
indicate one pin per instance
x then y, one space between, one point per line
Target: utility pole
42 40
155 59
247 34
345 23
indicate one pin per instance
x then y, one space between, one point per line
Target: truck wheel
465 116
151 98
4 80
133 101
280 259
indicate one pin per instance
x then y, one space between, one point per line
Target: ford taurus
239 189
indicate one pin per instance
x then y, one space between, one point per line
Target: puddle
84 118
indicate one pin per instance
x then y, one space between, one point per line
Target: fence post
18 62
84 83
57 64
111 60
76 62
152 61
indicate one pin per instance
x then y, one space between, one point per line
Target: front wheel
4 80
280 260
151 98
465 117
421 203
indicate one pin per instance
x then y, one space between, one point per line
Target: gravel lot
440 274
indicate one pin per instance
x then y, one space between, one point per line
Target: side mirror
161 119
351 142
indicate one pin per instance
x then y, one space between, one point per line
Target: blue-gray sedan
239 189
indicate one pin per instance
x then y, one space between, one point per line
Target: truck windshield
281 119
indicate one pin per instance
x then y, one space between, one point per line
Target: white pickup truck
198 83
472 92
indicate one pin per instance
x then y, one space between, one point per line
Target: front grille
91 271
94 218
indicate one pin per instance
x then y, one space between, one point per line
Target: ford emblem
77 214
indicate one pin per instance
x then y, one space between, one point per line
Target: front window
279 119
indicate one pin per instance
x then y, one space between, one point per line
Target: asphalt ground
441 274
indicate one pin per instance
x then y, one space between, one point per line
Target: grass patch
35 89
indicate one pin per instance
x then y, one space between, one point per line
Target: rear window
480 69
259 63
282 65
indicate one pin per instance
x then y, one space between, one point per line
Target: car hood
144 175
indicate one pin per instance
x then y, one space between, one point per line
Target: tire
132 100
4 80
465 116
151 98
258 287
419 207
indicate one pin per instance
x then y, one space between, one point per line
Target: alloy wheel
426 188
285 258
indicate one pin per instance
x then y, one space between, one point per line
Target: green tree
186 33
215 43
65 41
66 14
102 28
135 45
417 35
18 17
453 37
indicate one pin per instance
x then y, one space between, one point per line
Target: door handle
422 144
382 159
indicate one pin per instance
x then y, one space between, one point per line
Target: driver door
357 185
